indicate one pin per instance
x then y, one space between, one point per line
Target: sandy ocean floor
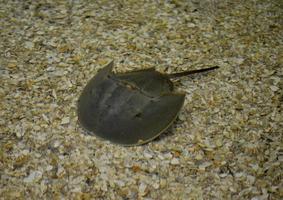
227 140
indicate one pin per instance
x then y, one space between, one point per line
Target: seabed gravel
225 144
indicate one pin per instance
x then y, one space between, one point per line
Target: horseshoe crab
130 108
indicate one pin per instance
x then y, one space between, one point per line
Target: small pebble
33 176
142 189
65 120
175 161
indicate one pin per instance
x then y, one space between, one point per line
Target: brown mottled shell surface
129 108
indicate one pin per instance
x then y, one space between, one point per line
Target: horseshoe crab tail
185 73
